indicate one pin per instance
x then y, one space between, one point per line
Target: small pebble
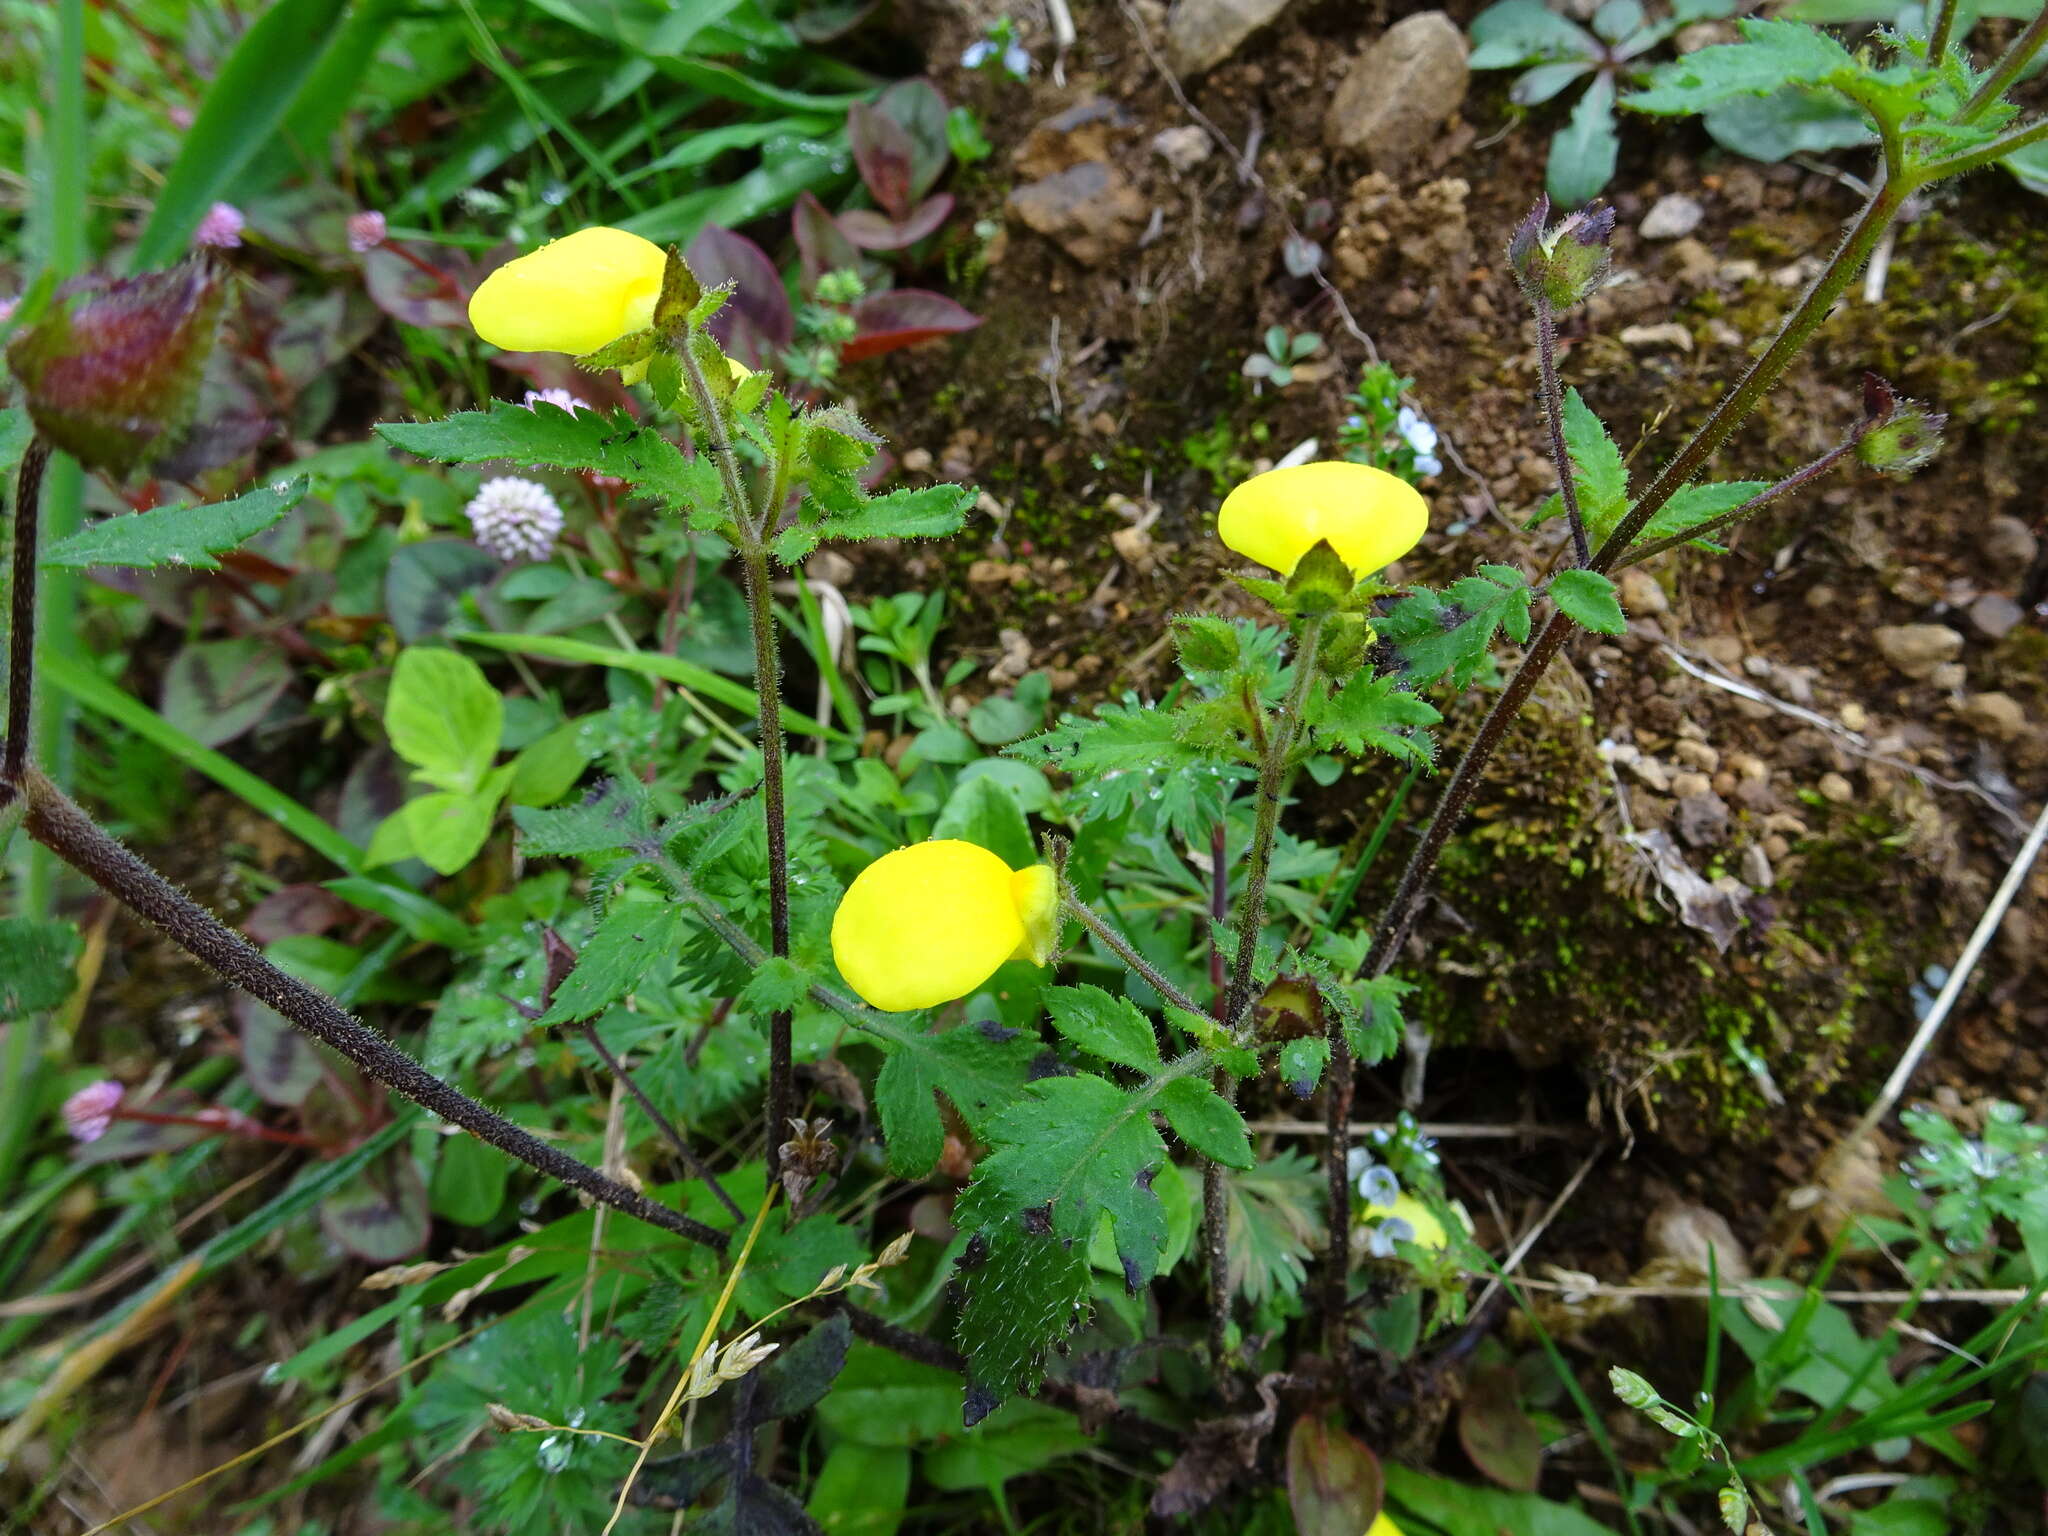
1775 847
1725 649
1997 715
1995 614
1687 785
1834 787
1652 773
1854 716
1697 754
1756 867
1672 217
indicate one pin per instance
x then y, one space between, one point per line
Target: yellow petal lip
573 295
930 923
1384 1526
1422 1221
1371 518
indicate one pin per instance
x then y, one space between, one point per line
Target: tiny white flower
515 519
1356 1161
1017 62
1378 1186
977 54
1428 464
1420 434
560 397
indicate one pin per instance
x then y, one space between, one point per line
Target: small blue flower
1017 62
1428 464
1389 1232
1420 434
1378 1186
977 54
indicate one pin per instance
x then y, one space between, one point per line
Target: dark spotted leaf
380 1217
1334 1485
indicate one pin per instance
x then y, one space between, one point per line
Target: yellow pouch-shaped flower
1384 1526
1429 1232
931 922
574 295
1371 518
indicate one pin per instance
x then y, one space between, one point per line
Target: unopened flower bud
366 231
1906 440
1565 265
111 370
88 1112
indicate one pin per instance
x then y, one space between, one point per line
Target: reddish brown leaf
1498 1436
903 317
1334 1484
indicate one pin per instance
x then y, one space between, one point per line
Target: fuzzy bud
221 227
111 371
1899 436
1564 266
88 1112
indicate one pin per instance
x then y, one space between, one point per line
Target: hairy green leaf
1110 1027
616 814
187 536
1374 714
1588 599
36 965
980 1067
634 937
597 442
926 512
1771 55
1449 633
1022 1291
1208 1124
1302 1062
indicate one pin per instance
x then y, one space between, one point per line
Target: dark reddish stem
21 650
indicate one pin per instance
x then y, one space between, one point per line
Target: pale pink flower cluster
88 1112
366 231
515 519
221 228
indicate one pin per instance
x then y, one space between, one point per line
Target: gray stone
1670 336
1994 615
1200 34
1756 868
1917 649
1702 820
1184 147
1091 209
1399 92
2010 545
1671 217
1641 596
1997 715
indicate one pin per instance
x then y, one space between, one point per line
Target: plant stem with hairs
751 530
21 639
1278 739
1793 334
1553 416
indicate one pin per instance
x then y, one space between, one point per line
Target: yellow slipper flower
1429 1232
1371 518
574 295
1384 1526
931 922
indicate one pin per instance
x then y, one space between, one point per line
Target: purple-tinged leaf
277 1059
757 322
903 317
1499 1437
821 244
215 690
883 150
872 232
382 1216
293 909
1333 1482
438 300
825 23
918 106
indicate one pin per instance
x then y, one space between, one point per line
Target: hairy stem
1943 31
2008 67
662 1123
1997 149
768 684
1123 949
59 825
1553 416
752 532
21 638
1799 479
1274 766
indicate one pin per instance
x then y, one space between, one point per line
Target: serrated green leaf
1024 1295
1589 600
1692 505
598 442
931 511
980 1067
1302 1062
1069 1148
1201 1118
1373 713
187 536
1771 55
778 985
1273 1222
444 717
634 937
616 814
1110 1027
1598 469
1125 737
1449 633
1375 1034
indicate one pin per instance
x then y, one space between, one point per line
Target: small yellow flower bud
1371 518
931 922
573 295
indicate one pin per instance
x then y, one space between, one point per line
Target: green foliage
1275 1222
1450 634
634 937
1374 714
37 964
979 1067
187 536
1589 600
929 512
1109 1027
